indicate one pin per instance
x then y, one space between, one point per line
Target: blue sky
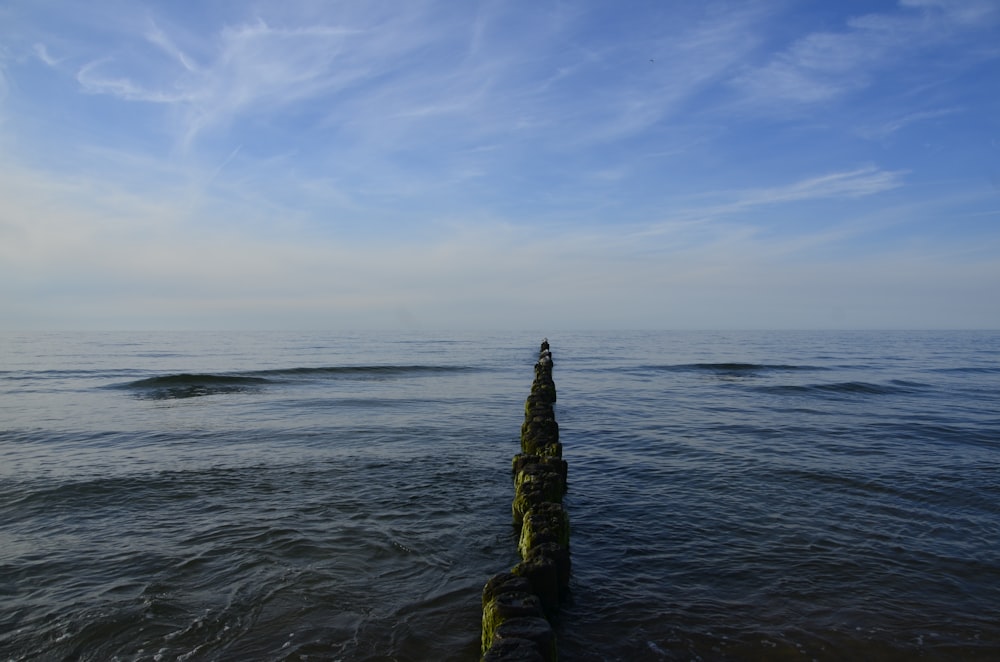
499 165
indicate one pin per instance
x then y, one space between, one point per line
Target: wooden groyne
518 606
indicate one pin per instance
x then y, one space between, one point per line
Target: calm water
278 496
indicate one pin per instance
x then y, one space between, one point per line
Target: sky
543 164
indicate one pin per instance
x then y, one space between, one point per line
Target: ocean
345 496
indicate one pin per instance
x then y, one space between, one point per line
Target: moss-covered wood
516 604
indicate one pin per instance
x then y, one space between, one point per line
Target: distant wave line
365 370
730 368
269 376
985 370
866 388
192 379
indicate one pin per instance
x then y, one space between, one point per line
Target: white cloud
43 54
388 75
653 79
899 122
736 228
93 81
971 12
461 164
860 182
83 253
256 68
159 38
3 75
821 66
854 183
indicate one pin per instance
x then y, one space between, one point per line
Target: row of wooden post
519 606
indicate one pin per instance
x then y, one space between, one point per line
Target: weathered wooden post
518 605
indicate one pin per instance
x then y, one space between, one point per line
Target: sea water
345 496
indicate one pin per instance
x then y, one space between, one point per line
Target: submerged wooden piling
518 606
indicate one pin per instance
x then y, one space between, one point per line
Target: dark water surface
281 496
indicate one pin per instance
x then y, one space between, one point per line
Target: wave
191 385
38 375
189 379
188 385
362 371
846 388
971 370
730 368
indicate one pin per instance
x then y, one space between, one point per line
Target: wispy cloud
648 81
43 54
94 80
341 158
965 12
387 73
737 226
888 127
3 80
159 38
852 184
860 182
255 68
146 260
821 66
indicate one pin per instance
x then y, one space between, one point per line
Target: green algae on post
519 605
